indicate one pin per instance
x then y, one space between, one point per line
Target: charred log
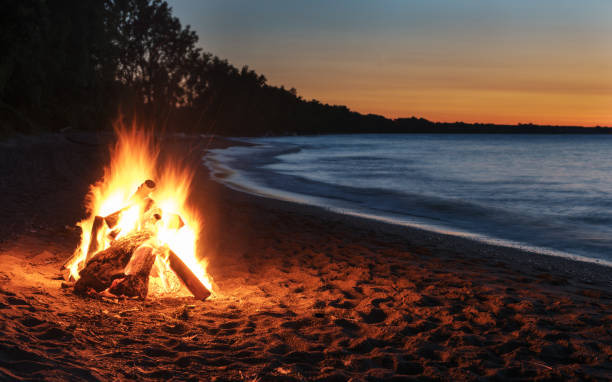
109 264
130 286
136 280
188 278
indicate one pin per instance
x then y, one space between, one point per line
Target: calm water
550 193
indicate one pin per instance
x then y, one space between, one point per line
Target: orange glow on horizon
491 86
509 108
479 106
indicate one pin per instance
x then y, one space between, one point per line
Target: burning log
93 241
152 216
113 234
143 190
175 222
188 278
136 280
148 203
112 219
141 195
141 262
109 264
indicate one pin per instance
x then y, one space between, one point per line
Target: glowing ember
136 194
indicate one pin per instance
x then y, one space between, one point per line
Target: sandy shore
303 294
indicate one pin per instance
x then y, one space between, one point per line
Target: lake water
545 193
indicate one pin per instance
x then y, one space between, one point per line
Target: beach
301 293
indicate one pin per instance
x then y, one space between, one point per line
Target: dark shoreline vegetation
80 64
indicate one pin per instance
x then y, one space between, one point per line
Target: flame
134 160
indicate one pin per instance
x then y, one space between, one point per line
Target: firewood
175 221
107 265
151 217
188 278
136 280
141 262
93 240
147 204
113 234
91 249
142 192
112 219
141 195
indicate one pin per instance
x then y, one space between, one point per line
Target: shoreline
223 174
590 272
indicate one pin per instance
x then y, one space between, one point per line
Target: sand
302 294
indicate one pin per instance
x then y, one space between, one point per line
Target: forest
80 64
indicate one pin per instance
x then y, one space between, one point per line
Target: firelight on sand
127 193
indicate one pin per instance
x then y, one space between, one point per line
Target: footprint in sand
159 351
279 349
297 324
408 368
177 328
374 316
55 333
347 325
342 305
17 301
364 346
31 322
229 325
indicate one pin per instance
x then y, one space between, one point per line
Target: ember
140 235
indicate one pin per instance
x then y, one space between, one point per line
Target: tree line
79 63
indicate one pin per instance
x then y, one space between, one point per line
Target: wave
485 223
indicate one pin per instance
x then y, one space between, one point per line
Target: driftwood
136 280
109 264
188 278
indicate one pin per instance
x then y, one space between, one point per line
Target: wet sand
302 294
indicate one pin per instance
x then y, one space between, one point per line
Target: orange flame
134 159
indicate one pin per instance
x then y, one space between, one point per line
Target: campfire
140 235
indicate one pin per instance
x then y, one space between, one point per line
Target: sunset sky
545 61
